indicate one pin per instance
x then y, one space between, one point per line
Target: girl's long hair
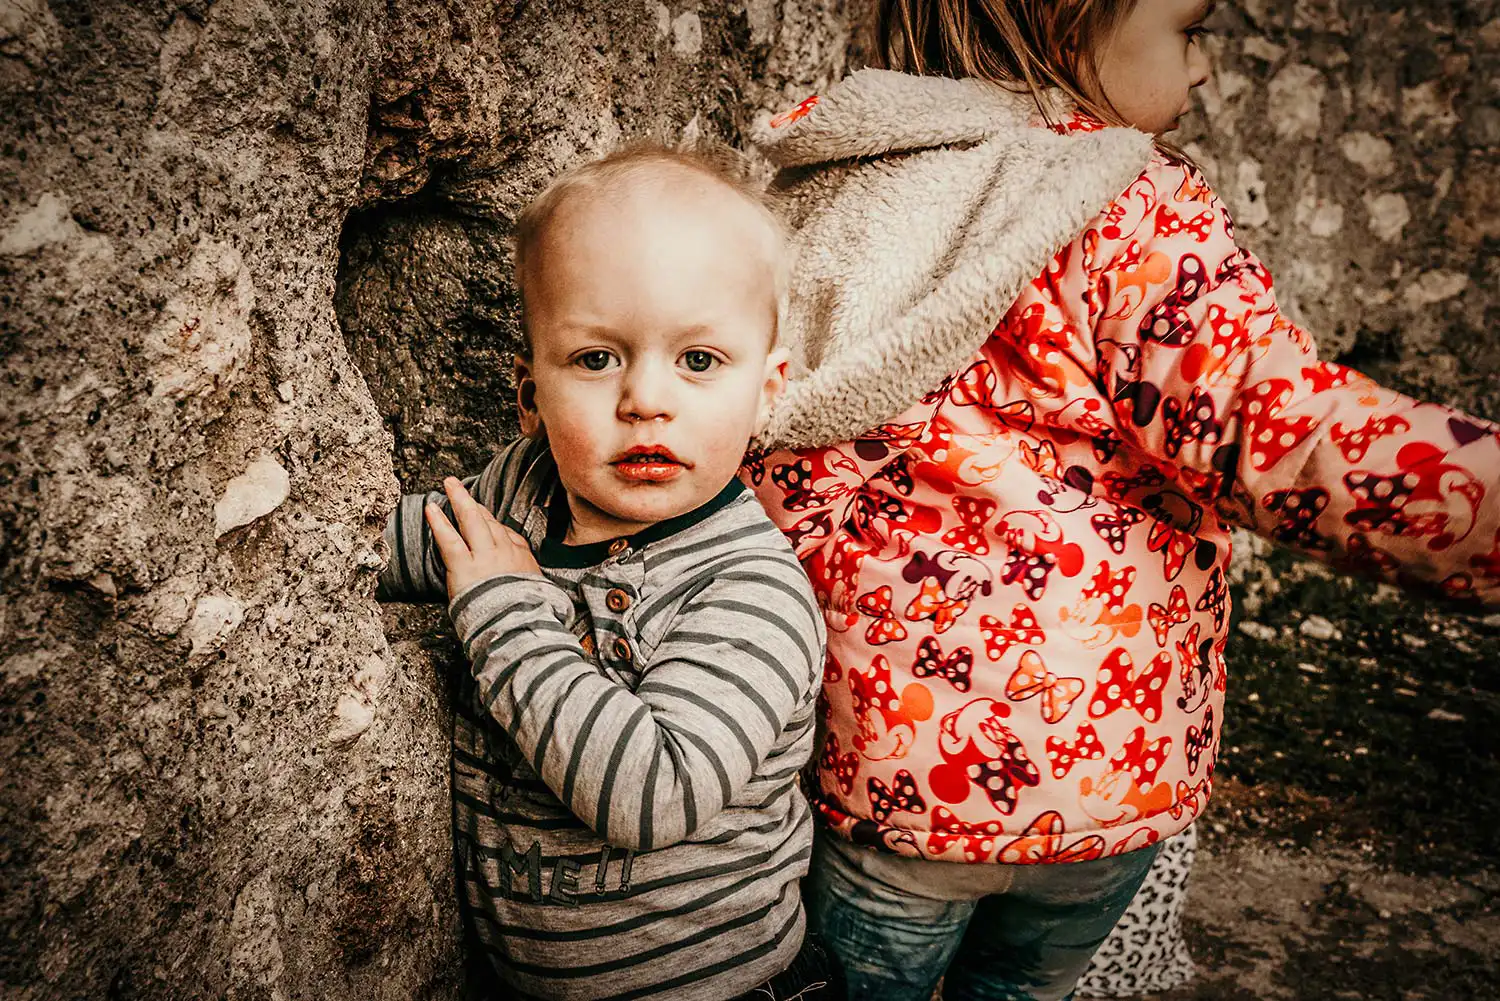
1038 46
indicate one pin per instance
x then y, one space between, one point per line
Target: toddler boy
646 650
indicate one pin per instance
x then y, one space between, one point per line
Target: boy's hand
485 549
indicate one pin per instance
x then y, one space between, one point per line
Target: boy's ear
773 387
531 418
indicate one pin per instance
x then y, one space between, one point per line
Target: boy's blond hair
637 162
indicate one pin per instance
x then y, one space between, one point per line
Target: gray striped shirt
626 816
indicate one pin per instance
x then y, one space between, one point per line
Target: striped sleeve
415 571
646 768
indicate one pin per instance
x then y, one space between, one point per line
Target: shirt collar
553 552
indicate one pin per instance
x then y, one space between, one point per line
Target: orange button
618 546
617 600
622 648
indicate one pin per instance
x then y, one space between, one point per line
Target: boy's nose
647 395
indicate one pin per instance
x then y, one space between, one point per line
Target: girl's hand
485 548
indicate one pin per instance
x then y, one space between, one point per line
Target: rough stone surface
179 822
221 779
474 114
1357 144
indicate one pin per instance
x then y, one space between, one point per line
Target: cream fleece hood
920 207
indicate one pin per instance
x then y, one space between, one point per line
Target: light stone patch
253 494
1295 99
1426 105
1321 217
256 961
1231 84
1389 215
215 617
28 33
762 17
351 718
687 35
1258 47
1319 15
47 223
1432 287
1371 154
1249 196
202 338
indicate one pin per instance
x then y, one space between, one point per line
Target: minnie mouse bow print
1043 843
979 751
1199 741
969 535
977 840
1031 679
886 628
904 797
1023 629
1122 684
956 668
1065 754
842 766
1173 613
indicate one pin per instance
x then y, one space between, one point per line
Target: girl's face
1154 59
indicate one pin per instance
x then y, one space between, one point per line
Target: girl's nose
1198 65
646 394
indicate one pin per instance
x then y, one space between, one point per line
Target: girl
1035 382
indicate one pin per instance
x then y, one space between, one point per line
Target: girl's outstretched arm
1209 377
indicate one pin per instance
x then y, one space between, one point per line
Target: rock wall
222 780
1357 142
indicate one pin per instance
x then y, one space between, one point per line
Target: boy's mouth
650 463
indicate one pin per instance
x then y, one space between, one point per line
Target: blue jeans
999 932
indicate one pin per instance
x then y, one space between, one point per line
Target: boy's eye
698 361
1197 31
594 361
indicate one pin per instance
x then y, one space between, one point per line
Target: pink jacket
1023 573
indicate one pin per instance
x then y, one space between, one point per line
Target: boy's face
650 313
1153 60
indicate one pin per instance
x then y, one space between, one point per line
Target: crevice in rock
427 309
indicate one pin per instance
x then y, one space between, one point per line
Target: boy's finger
448 541
498 532
468 513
